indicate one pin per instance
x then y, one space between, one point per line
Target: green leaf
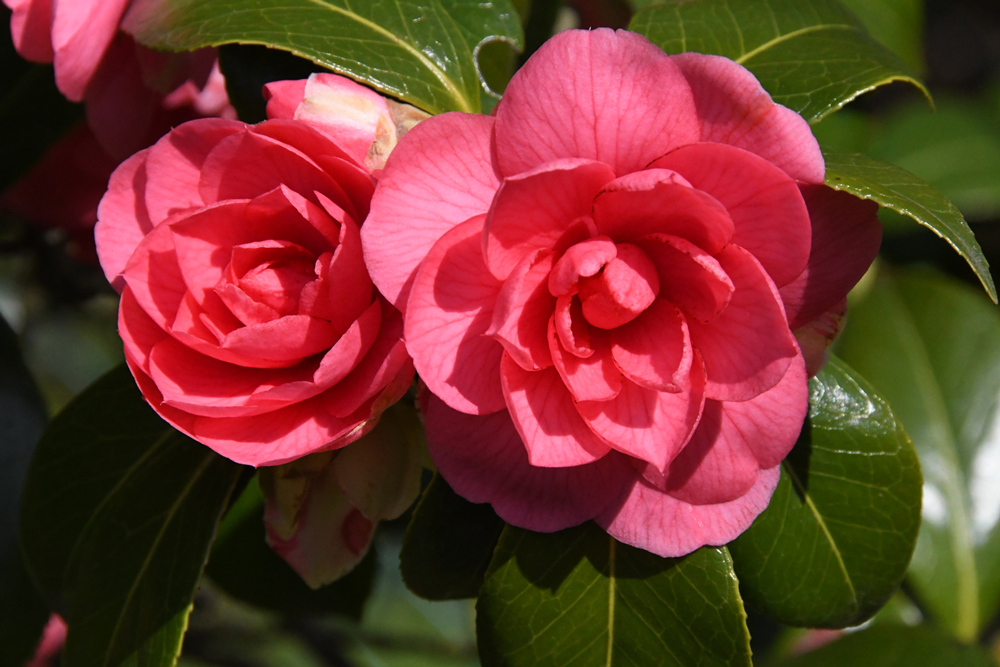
33 113
448 544
893 646
899 24
22 419
812 56
834 544
119 513
932 347
410 49
578 597
244 566
901 191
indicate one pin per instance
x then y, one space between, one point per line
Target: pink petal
450 310
155 278
580 261
661 201
716 466
769 215
122 220
600 95
846 235
648 424
748 347
285 214
204 244
770 423
522 312
175 162
283 98
816 337
439 175
537 209
138 331
591 378
31 29
652 520
285 341
735 110
543 413
484 460
572 330
81 33
690 278
654 350
626 286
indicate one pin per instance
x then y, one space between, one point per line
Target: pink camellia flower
600 286
249 320
129 89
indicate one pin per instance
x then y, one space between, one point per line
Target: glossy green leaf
119 513
893 646
33 113
931 346
245 567
578 597
901 191
899 24
834 543
410 49
812 56
22 419
448 544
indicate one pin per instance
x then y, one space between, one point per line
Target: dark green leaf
22 419
834 543
245 567
33 113
899 24
812 56
410 49
908 195
248 67
932 347
893 646
578 597
448 544
119 513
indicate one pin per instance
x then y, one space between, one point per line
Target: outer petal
734 109
543 413
537 209
122 219
846 235
449 311
484 460
523 308
599 95
648 424
284 97
31 28
652 520
770 217
748 347
81 33
439 175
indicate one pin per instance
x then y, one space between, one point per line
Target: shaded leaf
899 24
835 541
410 49
578 597
448 544
812 56
901 191
22 419
893 646
119 513
932 347
244 566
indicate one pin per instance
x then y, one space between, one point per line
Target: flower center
621 291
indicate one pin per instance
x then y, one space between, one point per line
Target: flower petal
81 34
579 96
543 413
770 217
537 209
734 109
690 278
652 520
31 29
450 309
846 235
654 350
522 312
439 175
484 460
748 347
122 219
591 378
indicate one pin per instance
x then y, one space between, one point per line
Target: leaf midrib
791 35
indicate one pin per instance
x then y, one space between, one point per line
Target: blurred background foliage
56 300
